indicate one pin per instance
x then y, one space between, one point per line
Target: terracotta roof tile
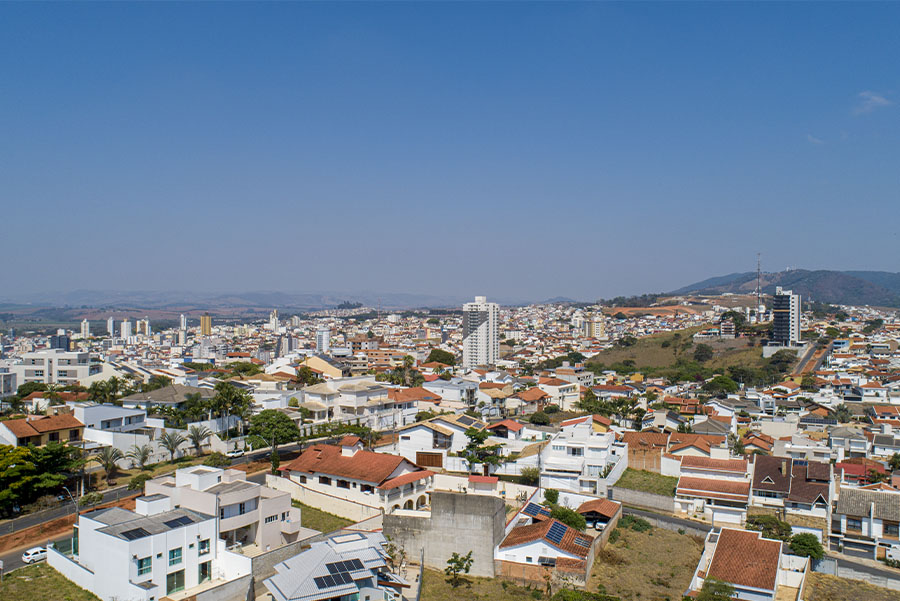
745 558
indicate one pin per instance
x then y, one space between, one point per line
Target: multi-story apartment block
54 366
786 317
249 513
8 385
481 343
146 554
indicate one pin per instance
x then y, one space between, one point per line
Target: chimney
784 467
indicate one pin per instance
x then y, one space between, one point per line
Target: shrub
530 476
137 483
551 496
217 460
569 517
636 524
551 409
806 544
91 498
770 526
614 535
540 418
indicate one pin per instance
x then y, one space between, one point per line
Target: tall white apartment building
126 329
111 327
481 343
85 329
54 366
785 317
183 323
323 340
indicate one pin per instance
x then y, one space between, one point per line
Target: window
221 513
578 451
891 530
54 437
174 556
302 479
271 519
529 560
325 480
343 484
73 434
367 488
284 515
854 524
404 437
143 565
204 547
175 582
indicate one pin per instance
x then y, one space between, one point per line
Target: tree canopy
441 356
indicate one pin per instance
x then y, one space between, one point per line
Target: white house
146 554
547 543
563 394
718 489
578 459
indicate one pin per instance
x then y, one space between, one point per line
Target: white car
235 453
34 554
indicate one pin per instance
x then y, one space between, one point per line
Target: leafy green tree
530 476
551 496
715 590
476 451
441 356
217 460
539 418
137 483
703 353
139 455
275 428
808 383
894 462
721 384
842 413
569 517
170 441
458 564
107 458
770 526
807 544
198 435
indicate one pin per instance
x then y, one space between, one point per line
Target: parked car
235 453
34 554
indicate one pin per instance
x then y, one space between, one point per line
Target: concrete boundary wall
336 505
642 499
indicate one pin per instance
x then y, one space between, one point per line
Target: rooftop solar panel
135 534
556 533
582 541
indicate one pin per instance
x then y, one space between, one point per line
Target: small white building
146 554
578 458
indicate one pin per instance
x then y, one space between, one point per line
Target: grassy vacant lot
648 482
40 582
653 565
310 517
824 587
663 350
435 587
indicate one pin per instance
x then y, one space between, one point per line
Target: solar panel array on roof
344 566
332 580
533 509
582 541
556 532
465 420
135 533
179 521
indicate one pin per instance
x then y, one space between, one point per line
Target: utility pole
758 287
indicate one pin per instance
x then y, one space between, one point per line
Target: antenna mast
758 281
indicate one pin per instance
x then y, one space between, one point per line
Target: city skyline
657 144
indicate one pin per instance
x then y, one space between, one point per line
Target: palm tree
107 457
139 455
170 441
198 435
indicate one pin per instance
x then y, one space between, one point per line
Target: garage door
429 459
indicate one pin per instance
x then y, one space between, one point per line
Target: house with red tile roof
347 472
529 552
718 489
40 430
756 567
562 394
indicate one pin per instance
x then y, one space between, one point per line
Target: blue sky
518 150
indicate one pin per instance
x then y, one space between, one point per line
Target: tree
770 526
137 483
28 387
894 462
703 353
170 441
275 428
139 455
715 590
721 384
808 383
233 401
198 435
551 496
530 476
478 452
217 460
807 544
458 564
569 517
307 376
441 356
539 418
842 413
107 458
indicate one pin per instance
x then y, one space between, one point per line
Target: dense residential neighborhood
404 442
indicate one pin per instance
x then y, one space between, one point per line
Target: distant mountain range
874 288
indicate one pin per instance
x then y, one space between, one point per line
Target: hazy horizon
521 151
